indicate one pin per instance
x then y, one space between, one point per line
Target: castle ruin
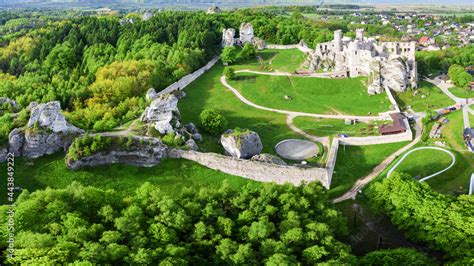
389 65
246 35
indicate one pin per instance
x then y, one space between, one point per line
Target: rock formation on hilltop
241 144
46 132
163 113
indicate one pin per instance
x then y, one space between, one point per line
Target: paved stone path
445 88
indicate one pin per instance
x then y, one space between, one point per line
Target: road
445 88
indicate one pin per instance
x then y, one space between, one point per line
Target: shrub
229 73
212 121
229 54
247 52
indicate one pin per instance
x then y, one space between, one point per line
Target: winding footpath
293 113
360 183
289 122
453 161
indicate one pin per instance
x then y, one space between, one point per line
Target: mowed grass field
354 162
311 95
172 176
271 60
208 92
427 97
332 127
423 163
462 93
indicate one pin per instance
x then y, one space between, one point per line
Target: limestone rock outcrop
151 94
268 158
375 78
241 144
163 113
191 144
46 132
16 140
228 37
12 103
49 116
147 154
3 154
394 74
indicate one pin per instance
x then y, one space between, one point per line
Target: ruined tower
360 35
338 40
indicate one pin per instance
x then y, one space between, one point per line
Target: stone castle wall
331 162
254 170
186 80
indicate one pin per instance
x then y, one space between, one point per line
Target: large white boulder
49 116
241 144
163 113
46 132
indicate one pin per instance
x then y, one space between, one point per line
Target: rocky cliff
46 132
143 152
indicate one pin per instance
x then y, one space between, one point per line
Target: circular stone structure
297 149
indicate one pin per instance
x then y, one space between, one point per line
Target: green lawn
287 60
453 131
311 95
423 163
428 97
457 178
172 175
354 162
208 92
462 93
333 127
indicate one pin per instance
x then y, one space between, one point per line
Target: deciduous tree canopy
271 225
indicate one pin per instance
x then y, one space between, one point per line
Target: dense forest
99 68
443 221
273 225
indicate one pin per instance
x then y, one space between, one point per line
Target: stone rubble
268 158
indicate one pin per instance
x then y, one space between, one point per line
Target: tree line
442 221
265 225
